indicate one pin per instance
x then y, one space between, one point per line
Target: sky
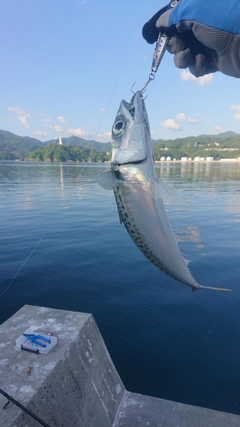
67 64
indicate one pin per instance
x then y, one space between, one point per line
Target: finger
202 65
177 44
163 26
150 31
184 59
199 66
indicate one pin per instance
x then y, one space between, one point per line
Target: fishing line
128 56
65 204
24 262
100 123
130 50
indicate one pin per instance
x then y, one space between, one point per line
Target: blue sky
66 65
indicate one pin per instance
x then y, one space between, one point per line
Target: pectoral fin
162 190
107 180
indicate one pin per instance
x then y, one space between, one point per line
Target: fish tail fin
212 288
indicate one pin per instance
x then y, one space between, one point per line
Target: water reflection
190 171
189 234
61 178
85 261
199 171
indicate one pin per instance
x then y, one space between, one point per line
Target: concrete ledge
76 384
137 410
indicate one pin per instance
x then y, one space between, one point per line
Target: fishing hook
132 88
143 88
159 50
151 77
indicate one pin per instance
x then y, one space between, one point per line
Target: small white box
26 344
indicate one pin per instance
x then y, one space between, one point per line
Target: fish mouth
127 112
129 106
129 133
136 162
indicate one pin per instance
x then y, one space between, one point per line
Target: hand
204 35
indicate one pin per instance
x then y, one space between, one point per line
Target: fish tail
211 288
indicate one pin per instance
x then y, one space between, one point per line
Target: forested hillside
60 153
16 147
225 145
12 147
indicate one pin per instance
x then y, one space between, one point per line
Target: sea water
62 246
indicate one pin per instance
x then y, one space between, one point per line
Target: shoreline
158 162
199 161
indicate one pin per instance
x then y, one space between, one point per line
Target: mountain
228 134
16 147
19 147
76 141
223 145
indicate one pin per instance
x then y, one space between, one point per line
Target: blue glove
204 35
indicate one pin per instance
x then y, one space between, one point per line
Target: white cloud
237 116
204 80
182 117
39 133
57 128
73 131
106 137
217 129
171 124
77 132
22 115
103 109
62 120
236 107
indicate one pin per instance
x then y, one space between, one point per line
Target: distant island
75 149
72 149
60 153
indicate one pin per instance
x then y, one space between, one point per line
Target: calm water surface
62 246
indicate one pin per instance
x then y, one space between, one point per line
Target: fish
139 193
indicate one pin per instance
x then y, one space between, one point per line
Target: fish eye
118 127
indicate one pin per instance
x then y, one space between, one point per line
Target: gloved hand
204 35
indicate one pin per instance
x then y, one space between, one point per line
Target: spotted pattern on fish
134 232
139 194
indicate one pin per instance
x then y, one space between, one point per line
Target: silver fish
139 194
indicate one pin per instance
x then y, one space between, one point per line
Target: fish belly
147 223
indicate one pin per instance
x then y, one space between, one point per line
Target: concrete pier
76 384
